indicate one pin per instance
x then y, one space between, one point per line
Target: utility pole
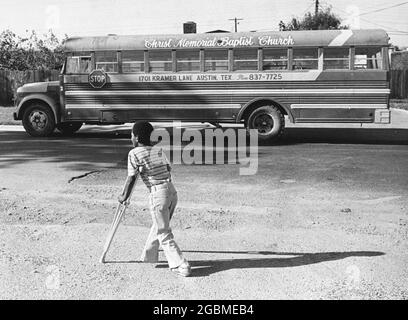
236 22
316 7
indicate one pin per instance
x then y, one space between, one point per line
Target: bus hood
37 87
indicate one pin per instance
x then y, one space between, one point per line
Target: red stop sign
97 78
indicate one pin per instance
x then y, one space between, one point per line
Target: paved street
324 217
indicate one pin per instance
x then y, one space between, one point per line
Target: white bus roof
280 39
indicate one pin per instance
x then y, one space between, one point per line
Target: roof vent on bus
189 27
217 31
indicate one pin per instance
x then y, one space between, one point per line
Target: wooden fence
10 80
399 84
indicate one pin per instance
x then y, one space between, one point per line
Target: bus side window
368 58
132 61
107 61
160 61
188 60
216 60
78 64
275 59
336 58
305 59
246 59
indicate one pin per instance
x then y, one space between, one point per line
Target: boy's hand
122 198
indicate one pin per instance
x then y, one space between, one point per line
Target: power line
376 24
382 9
385 27
404 23
307 9
372 6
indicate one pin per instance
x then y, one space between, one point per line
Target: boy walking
154 169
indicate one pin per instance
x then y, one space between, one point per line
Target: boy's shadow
202 268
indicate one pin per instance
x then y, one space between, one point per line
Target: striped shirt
151 163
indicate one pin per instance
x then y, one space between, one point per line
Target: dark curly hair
143 130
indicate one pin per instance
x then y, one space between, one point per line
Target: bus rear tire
68 128
38 120
268 121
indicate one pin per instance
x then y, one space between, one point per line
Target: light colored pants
163 201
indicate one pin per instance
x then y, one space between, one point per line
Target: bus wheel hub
38 120
263 123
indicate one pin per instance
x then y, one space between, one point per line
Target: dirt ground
319 220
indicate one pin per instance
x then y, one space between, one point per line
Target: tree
323 20
31 52
11 55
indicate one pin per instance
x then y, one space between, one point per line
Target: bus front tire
268 121
68 128
38 120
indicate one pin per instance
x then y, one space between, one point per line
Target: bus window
336 58
275 59
216 60
188 60
305 59
246 59
78 64
132 61
368 58
107 61
160 61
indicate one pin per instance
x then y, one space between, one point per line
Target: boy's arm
129 185
130 180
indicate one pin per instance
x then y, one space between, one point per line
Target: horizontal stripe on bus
150 106
334 120
339 106
223 106
236 78
232 86
226 92
251 76
167 100
229 98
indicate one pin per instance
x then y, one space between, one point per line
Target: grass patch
399 104
6 116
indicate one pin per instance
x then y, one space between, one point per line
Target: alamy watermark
353 277
52 281
209 146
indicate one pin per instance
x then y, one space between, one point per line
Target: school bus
253 78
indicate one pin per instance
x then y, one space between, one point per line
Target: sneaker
183 270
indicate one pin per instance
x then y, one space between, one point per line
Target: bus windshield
78 64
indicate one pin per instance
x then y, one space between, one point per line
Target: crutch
120 211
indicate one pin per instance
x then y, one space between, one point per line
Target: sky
102 17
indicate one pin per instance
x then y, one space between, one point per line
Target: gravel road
322 218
